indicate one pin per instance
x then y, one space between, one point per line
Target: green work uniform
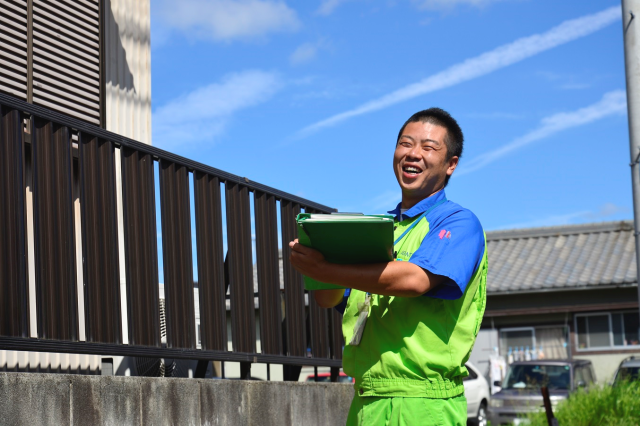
409 365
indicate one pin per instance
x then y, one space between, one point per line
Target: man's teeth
412 170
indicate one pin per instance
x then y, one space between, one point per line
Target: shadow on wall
117 70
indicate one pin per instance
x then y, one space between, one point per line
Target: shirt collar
419 208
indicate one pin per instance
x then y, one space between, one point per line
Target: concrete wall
56 399
604 365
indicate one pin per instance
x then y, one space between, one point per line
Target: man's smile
411 171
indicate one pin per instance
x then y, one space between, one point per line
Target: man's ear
452 164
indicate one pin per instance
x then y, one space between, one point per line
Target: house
562 292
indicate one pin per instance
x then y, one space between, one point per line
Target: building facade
561 292
91 60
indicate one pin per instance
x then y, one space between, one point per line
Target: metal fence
57 171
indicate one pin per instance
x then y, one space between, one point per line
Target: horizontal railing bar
60 346
82 126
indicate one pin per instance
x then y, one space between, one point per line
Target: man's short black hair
439 117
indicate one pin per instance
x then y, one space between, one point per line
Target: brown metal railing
64 162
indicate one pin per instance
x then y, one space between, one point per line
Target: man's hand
307 261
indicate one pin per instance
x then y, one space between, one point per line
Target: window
472 375
579 378
531 376
514 342
625 329
529 343
607 330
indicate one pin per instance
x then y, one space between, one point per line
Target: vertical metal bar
14 309
99 240
245 370
293 286
319 324
631 38
240 268
335 373
54 232
211 285
337 339
201 369
266 220
319 327
141 251
177 257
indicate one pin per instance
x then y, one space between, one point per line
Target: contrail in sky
614 102
485 63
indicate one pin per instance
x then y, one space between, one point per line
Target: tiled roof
561 257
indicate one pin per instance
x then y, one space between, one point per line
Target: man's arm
402 279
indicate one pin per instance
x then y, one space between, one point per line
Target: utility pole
631 34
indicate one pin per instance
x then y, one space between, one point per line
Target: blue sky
308 97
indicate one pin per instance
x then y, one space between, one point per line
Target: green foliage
617 405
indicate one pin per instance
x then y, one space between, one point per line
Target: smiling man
410 324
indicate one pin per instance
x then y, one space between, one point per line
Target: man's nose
414 152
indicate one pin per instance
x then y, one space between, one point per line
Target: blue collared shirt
453 248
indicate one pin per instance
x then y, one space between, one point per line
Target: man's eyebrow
430 140
405 136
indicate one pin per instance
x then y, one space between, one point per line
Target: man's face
420 161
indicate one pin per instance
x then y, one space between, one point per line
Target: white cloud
202 114
223 20
386 201
567 81
328 6
304 53
483 64
552 220
605 211
450 4
614 102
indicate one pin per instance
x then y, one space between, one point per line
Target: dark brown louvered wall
210 248
266 217
177 257
50 54
13 249
141 250
54 234
79 290
293 287
99 240
240 272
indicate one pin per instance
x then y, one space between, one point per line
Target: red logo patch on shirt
444 233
